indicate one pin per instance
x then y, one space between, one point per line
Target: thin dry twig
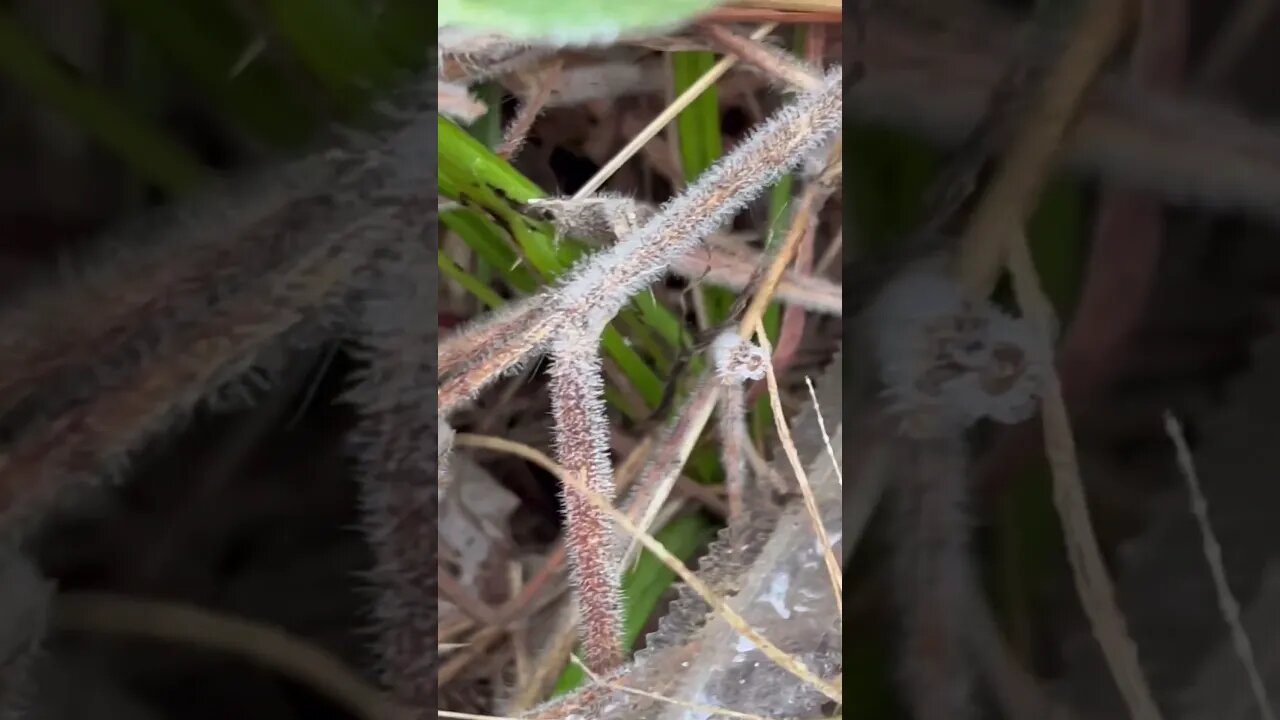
822 428
664 118
1213 554
612 276
994 238
774 62
1020 176
802 478
674 449
1093 584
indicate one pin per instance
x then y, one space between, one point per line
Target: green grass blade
698 125
470 172
468 282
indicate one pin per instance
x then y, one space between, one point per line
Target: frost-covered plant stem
594 292
596 289
582 447
736 361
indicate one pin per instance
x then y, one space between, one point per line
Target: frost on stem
737 360
598 288
444 448
582 449
594 290
499 344
946 359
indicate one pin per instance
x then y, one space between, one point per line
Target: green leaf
468 169
568 22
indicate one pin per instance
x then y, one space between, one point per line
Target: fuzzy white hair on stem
737 360
947 358
582 448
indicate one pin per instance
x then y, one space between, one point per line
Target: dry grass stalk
1019 178
992 239
669 113
822 425
1213 554
1097 593
802 479
673 449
